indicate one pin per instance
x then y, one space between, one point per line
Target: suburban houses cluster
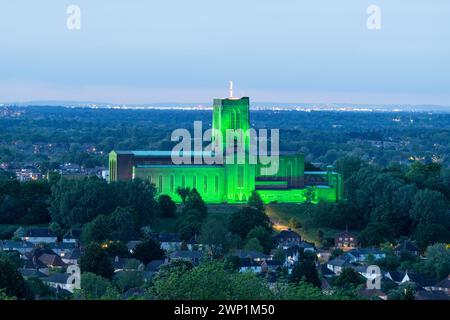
56 262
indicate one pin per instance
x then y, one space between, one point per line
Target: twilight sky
144 51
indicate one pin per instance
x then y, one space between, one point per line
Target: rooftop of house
339 262
31 273
132 244
73 234
250 254
52 260
40 233
186 254
10 244
431 295
74 254
154 265
364 251
287 235
168 237
444 283
57 278
346 234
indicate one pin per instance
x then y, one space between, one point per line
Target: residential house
373 294
430 295
270 265
65 281
127 264
363 254
346 240
39 235
249 265
45 256
72 256
72 236
443 286
32 273
338 264
404 277
131 245
20 246
169 241
287 238
192 256
62 248
253 255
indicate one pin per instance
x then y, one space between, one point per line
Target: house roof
186 254
40 233
57 278
74 254
325 271
346 234
339 262
51 260
287 234
168 237
397 276
431 295
73 234
10 244
31 273
154 265
132 244
444 283
63 246
420 279
250 254
364 251
247 263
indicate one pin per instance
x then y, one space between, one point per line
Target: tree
11 281
183 193
93 286
95 259
255 201
429 206
305 271
167 205
189 223
128 280
437 264
214 233
430 233
98 230
247 218
348 278
348 165
374 234
210 281
148 250
264 237
253 245
123 225
195 202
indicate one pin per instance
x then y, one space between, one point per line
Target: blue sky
143 51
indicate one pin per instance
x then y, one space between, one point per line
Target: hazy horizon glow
186 51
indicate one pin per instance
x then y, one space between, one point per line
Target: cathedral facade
229 182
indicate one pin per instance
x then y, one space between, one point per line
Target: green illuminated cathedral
229 182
